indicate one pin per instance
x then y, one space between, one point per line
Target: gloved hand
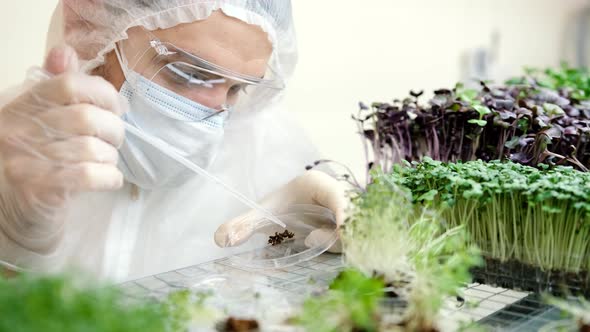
314 187
58 138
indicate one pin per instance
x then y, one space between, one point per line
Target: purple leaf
571 130
443 92
524 111
416 94
572 111
554 132
506 115
369 134
504 104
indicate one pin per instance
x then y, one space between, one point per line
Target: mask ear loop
122 64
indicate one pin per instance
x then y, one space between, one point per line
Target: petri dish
301 220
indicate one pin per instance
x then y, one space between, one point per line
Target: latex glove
314 187
58 138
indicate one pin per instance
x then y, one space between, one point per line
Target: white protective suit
133 232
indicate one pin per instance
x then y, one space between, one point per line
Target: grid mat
498 309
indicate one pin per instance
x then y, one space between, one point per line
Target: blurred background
375 51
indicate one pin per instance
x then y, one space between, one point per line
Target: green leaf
523 124
482 110
553 109
515 81
481 123
546 84
468 95
428 196
356 283
352 298
68 304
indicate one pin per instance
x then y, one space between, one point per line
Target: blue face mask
174 120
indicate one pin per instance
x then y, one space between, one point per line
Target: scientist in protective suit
206 79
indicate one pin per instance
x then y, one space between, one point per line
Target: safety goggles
187 74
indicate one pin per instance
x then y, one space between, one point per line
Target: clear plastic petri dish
274 247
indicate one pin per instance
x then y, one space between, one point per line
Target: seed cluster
240 325
278 238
